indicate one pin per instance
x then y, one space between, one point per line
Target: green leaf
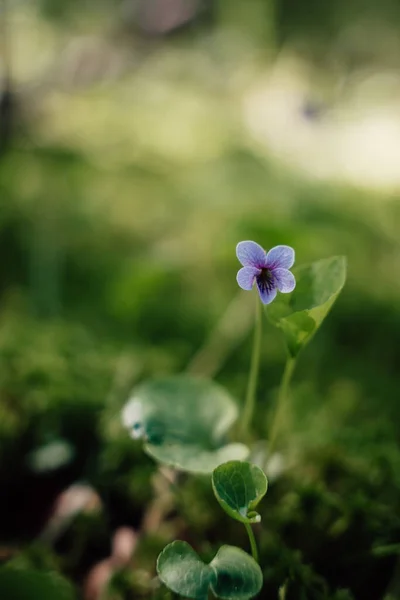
238 574
301 313
25 584
239 487
183 572
192 458
184 422
232 574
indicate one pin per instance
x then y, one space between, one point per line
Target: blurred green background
140 140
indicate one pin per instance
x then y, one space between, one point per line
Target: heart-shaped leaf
238 575
184 422
300 313
183 572
239 487
231 575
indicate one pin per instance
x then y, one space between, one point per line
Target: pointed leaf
239 487
184 422
301 313
232 574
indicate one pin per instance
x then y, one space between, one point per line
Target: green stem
281 404
252 539
249 404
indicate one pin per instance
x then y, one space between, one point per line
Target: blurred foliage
18 584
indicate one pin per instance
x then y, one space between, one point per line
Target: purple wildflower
269 269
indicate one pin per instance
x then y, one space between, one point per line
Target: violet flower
269 270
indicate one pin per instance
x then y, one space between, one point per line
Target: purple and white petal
251 254
284 280
267 291
280 257
246 277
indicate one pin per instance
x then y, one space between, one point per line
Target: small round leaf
194 458
183 572
184 422
232 574
238 574
239 487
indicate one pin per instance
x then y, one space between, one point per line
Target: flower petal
251 254
281 257
267 291
246 277
284 280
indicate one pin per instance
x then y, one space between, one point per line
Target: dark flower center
265 280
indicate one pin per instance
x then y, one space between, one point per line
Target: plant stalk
281 404
252 539
249 404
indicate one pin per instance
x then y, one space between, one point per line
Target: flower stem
249 404
281 404
252 539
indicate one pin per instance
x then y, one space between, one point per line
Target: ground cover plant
330 510
184 420
164 433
